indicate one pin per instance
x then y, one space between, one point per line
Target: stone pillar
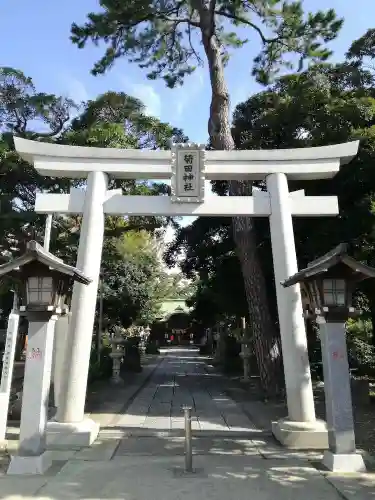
116 356
297 430
342 455
220 344
32 457
60 340
70 428
7 369
245 351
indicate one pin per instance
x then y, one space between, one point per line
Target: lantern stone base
117 380
32 465
301 435
63 435
340 462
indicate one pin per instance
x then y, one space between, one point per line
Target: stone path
139 454
180 380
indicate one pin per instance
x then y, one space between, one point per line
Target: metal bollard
188 440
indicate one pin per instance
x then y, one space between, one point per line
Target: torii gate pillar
70 427
301 429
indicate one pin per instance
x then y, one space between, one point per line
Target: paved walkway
139 453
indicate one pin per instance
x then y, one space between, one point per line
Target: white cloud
181 97
74 88
240 94
147 94
184 95
149 97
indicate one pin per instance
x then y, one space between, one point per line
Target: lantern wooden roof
338 255
36 252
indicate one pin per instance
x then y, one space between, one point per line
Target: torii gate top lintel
77 161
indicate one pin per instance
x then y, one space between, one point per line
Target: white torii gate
188 166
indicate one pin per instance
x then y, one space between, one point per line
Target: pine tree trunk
266 339
267 342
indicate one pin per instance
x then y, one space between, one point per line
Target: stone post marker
245 351
7 369
32 457
339 413
58 368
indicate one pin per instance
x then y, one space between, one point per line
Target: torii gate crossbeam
257 205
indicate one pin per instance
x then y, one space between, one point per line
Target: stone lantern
42 283
328 284
245 350
117 354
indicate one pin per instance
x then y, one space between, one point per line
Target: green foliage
210 259
167 38
35 115
360 351
132 358
175 286
325 105
131 269
117 115
164 37
103 369
363 48
232 362
151 347
360 329
21 105
131 273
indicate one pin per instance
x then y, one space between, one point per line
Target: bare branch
197 56
243 20
179 21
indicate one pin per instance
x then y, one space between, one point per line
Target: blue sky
34 37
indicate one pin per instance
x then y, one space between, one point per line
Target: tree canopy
326 104
132 273
168 40
163 37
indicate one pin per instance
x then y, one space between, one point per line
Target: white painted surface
256 206
77 354
66 435
29 466
76 161
59 347
7 370
47 232
188 173
292 328
344 463
301 435
36 385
